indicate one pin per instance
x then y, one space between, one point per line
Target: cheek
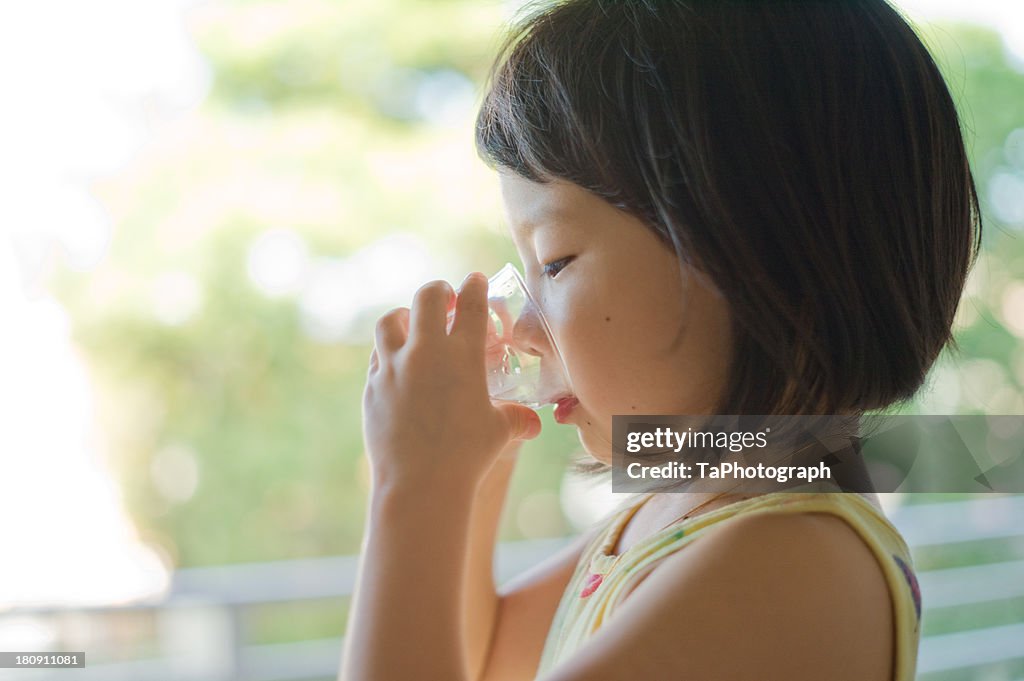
647 353
601 337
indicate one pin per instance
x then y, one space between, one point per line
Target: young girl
722 207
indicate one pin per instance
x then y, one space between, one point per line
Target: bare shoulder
765 595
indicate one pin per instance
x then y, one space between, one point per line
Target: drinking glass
515 372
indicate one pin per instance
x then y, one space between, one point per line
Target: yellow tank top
600 580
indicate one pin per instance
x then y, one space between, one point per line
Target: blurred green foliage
315 122
311 124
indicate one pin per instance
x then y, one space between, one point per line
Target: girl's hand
427 416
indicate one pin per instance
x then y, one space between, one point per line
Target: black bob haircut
805 155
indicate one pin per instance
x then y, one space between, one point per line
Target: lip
564 407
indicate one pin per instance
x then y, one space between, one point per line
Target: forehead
529 205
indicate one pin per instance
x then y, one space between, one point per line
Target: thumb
523 422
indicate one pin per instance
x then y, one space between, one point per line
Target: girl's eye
555 266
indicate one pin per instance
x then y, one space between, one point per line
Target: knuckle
475 305
472 311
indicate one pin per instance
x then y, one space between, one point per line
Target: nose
528 332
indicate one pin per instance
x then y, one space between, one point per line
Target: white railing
201 624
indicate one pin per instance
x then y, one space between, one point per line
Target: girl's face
636 338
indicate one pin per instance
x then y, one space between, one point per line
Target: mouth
564 406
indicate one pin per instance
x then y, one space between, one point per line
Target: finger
471 311
428 317
523 423
391 331
374 360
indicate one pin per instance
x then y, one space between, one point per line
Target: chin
599 452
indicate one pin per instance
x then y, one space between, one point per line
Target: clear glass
515 370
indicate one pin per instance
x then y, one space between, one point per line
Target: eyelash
548 267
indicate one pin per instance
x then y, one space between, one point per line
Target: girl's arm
480 597
432 438
405 620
